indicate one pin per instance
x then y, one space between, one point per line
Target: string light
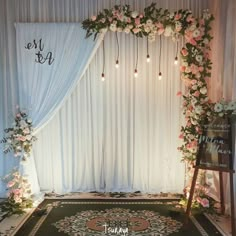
148 56
103 77
135 73
176 57
176 60
136 70
117 64
160 74
103 69
118 51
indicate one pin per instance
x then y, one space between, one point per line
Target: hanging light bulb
135 73
117 64
148 58
160 76
176 60
103 77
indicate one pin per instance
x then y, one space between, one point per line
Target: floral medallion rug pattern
98 218
118 220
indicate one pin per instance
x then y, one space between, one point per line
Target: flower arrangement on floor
19 138
19 194
201 202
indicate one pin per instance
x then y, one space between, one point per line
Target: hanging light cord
103 48
137 55
160 56
118 48
177 49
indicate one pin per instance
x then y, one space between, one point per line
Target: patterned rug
112 217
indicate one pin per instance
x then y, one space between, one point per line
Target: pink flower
160 31
136 30
198 38
194 69
194 81
16 191
181 136
137 21
93 18
110 19
178 16
190 18
202 22
205 202
193 42
18 115
10 184
128 20
141 15
196 94
22 138
184 52
179 93
200 68
182 68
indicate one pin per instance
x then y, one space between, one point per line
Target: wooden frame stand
231 172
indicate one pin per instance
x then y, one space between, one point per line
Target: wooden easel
228 169
231 172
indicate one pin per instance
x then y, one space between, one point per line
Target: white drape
120 134
64 56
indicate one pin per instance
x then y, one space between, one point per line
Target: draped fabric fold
51 58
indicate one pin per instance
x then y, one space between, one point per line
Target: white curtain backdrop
223 82
120 134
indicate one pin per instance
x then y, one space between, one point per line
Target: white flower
119 29
134 14
205 41
194 87
103 30
198 109
192 27
126 30
149 22
29 121
185 63
28 137
196 33
199 58
172 15
188 70
130 26
232 106
203 90
113 27
218 107
147 29
194 122
23 123
198 75
168 31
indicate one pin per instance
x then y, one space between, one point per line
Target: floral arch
195 68
195 63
